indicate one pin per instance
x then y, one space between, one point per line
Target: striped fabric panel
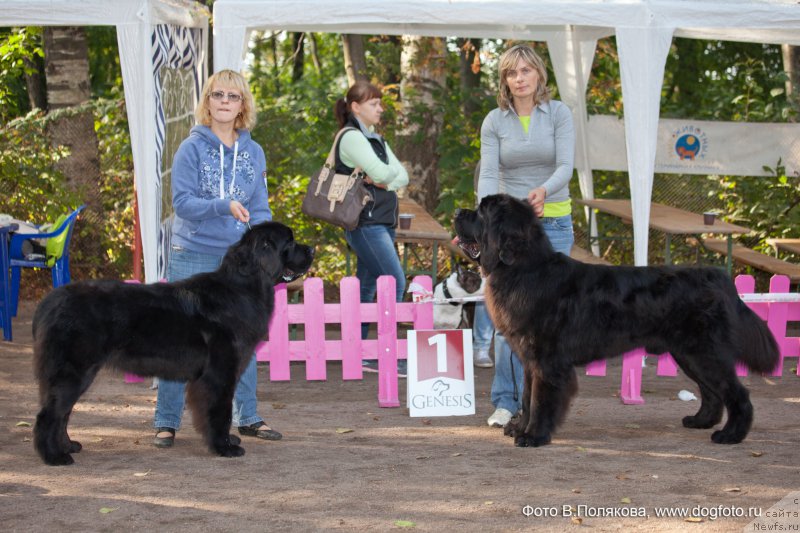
178 48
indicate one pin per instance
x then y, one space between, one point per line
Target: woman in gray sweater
527 149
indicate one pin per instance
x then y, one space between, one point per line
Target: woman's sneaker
481 359
499 418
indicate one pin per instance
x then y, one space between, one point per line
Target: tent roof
764 20
101 12
644 30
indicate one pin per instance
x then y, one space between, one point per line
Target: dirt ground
392 471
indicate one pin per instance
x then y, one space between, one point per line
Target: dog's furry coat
556 312
202 330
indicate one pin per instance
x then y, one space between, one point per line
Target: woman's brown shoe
164 442
261 431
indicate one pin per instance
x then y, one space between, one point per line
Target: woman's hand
239 212
536 199
369 181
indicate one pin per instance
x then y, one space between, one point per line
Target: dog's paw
694 422
721 437
231 450
62 459
539 440
514 428
75 446
531 441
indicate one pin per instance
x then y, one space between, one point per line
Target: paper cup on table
405 220
709 217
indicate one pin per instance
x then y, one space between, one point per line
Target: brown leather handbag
337 199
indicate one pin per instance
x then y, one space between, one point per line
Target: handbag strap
331 160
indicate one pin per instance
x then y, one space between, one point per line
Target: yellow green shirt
556 209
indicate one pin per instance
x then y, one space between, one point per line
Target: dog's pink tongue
455 240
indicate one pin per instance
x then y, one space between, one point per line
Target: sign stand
441 380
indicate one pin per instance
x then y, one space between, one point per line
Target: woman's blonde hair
228 79
508 61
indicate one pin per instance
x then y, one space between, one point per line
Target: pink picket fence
776 313
316 350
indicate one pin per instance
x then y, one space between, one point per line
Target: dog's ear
490 242
507 257
501 236
243 258
256 254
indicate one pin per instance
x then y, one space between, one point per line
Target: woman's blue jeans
508 372
169 405
374 247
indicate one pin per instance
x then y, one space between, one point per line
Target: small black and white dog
459 284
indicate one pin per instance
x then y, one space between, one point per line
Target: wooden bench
755 259
585 256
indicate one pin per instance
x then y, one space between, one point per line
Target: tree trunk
276 71
355 60
312 39
299 56
470 68
424 76
35 83
791 64
394 74
67 69
66 59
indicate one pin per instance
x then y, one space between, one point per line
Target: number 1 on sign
441 351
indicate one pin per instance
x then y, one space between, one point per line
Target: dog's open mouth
472 249
289 275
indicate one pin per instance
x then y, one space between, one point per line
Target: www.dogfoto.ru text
628 511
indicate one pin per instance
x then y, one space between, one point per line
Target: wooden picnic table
789 245
424 231
670 221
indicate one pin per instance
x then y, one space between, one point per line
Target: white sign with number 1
440 378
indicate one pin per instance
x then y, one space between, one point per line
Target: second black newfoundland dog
202 330
556 312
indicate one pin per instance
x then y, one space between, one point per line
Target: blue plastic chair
5 297
56 258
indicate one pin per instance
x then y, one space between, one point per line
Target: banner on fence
440 379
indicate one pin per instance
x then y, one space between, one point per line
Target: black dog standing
556 313
202 330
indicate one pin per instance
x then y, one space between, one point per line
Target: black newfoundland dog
202 330
556 313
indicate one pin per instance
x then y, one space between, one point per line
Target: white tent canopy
137 23
644 31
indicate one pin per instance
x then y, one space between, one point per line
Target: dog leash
422 295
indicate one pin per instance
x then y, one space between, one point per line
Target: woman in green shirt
373 239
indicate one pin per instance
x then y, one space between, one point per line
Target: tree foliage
20 50
707 80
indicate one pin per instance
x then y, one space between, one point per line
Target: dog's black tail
758 349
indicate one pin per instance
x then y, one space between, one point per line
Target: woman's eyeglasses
220 95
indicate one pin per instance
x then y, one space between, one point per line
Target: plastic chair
5 297
56 256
